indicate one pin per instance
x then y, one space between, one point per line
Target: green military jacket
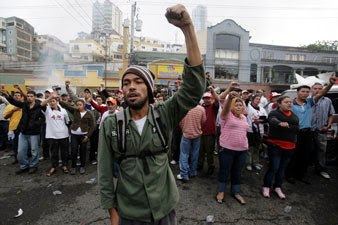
139 196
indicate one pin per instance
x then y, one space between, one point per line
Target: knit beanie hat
146 75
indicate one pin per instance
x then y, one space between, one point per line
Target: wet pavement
79 202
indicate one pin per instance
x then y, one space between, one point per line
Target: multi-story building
107 19
2 35
84 51
199 17
50 47
19 38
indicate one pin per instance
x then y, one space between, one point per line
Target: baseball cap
120 91
207 95
112 100
87 89
245 91
274 94
49 90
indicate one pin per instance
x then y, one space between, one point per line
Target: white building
199 17
107 19
84 51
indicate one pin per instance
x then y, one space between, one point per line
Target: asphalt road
79 202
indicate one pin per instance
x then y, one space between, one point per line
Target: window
10 41
10 50
301 58
226 54
268 55
154 49
295 57
76 47
117 56
85 57
10 32
143 47
288 57
10 24
253 73
89 45
120 46
19 25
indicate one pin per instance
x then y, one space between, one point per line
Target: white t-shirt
105 114
140 124
263 102
56 121
253 114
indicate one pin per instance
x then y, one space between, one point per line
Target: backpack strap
159 127
121 130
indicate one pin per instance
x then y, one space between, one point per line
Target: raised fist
178 16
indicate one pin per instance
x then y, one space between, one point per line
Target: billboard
169 71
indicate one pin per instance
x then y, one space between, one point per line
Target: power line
78 13
83 9
68 12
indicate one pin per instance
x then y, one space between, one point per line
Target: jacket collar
149 116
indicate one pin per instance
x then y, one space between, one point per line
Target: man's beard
138 105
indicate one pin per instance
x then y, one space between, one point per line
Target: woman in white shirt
56 133
256 118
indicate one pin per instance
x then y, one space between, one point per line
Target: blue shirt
304 112
321 112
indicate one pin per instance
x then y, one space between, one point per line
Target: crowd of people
130 130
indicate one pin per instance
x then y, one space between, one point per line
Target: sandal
240 199
218 200
65 170
51 172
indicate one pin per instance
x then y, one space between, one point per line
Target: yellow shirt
14 119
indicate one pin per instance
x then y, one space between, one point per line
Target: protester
256 117
302 107
111 109
147 192
234 145
30 131
207 146
14 114
272 105
94 137
190 144
56 132
322 117
263 101
82 128
282 138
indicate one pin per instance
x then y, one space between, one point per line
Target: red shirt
209 127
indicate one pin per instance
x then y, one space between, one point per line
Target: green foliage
323 45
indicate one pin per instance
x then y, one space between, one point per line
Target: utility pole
125 45
105 61
133 11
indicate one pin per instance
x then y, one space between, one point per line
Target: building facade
84 51
19 38
230 56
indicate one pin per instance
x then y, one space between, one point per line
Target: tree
323 45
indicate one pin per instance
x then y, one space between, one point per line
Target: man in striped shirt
192 131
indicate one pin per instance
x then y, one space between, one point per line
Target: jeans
94 139
253 153
278 161
26 141
77 145
320 143
63 145
207 148
3 133
230 161
169 219
187 144
176 142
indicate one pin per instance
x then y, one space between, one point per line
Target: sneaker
72 171
249 168
215 152
173 162
179 177
41 158
280 194
82 170
325 175
33 170
22 171
266 192
93 162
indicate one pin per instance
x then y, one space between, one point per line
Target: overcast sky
279 22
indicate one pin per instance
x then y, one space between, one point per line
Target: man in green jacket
146 191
